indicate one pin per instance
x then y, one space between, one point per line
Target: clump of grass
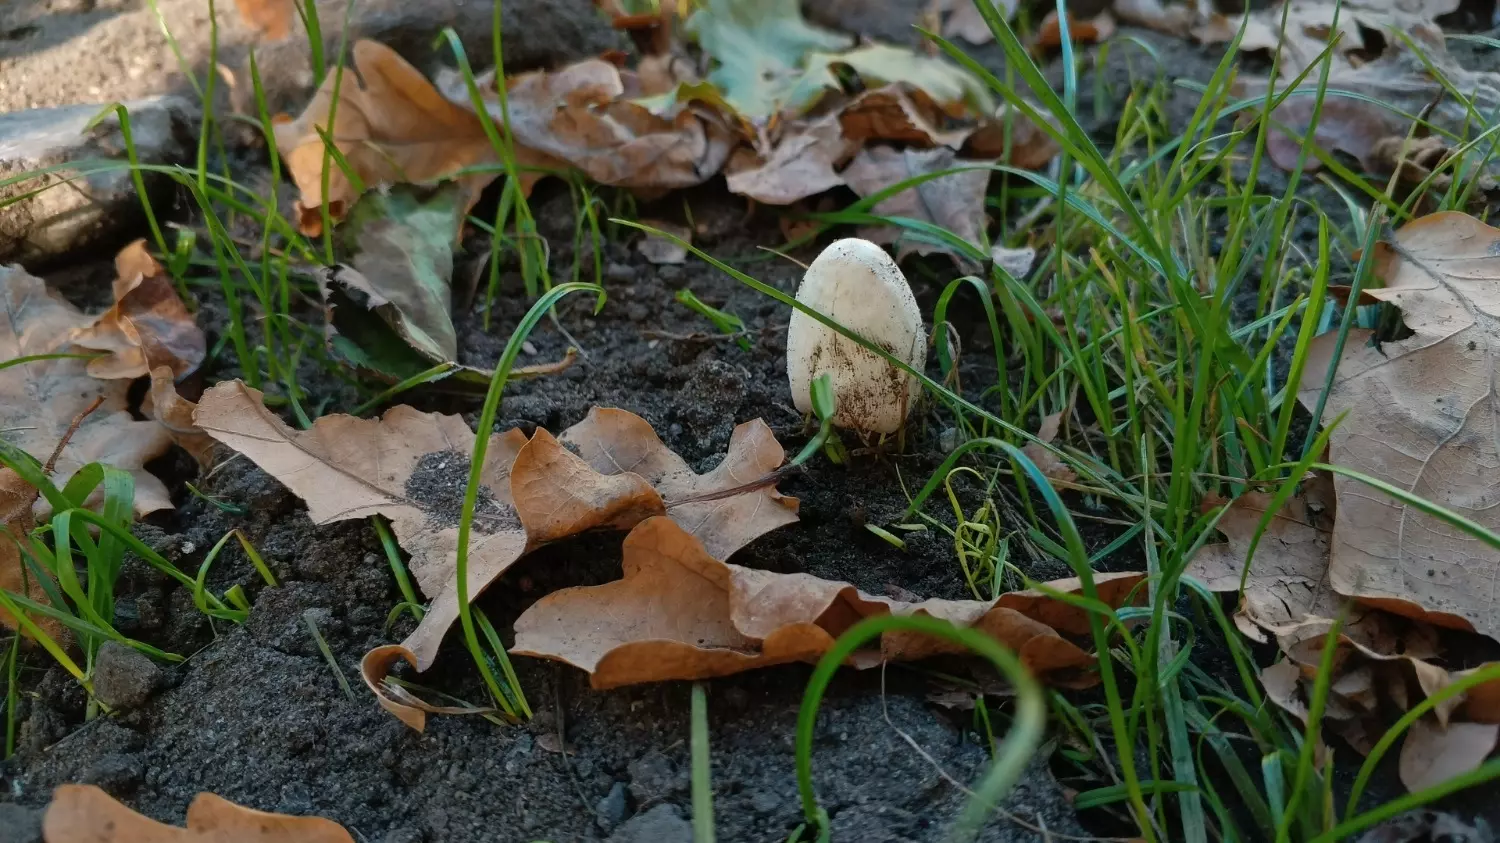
1136 322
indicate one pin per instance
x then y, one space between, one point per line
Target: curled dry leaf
86 814
391 126
1050 464
901 113
610 472
148 326
40 399
1089 31
17 498
389 308
175 413
954 202
1419 416
582 116
802 164
1432 754
680 613
1309 26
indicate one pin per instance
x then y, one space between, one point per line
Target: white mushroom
856 284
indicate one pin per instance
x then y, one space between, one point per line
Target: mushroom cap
856 284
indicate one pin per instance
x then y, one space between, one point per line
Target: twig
770 479
72 429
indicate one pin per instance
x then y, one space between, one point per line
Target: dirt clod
124 678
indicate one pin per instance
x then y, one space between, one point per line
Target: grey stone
81 205
124 678
19 824
662 824
403 835
611 810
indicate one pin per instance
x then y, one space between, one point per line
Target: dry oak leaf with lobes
412 467
40 399
1424 416
392 125
86 814
681 613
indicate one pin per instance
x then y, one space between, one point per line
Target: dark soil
256 715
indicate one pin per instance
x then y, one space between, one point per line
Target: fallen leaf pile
770 113
86 814
1382 665
68 412
147 327
390 125
681 612
1419 414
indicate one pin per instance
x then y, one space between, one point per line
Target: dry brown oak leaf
412 467
391 125
1422 415
954 202
85 814
149 325
583 115
40 399
803 163
681 613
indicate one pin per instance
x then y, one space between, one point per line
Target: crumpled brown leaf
1288 580
679 613
1382 665
1419 417
609 472
954 202
1050 464
1431 754
583 115
395 127
148 326
165 404
900 113
1092 30
40 399
86 814
803 163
